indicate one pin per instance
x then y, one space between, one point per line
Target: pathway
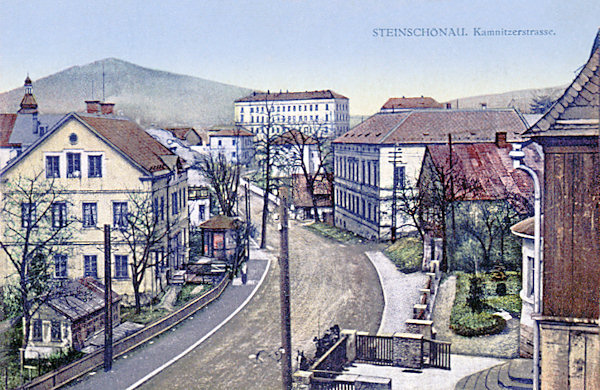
400 291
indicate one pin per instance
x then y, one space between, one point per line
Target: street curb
206 336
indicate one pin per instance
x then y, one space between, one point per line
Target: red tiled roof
294 137
301 196
131 140
490 167
7 123
576 112
411 102
433 126
274 96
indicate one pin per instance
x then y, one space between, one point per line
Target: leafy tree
541 104
35 228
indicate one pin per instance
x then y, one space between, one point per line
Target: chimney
448 106
93 106
501 139
107 108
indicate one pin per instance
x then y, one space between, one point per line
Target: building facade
383 156
103 165
234 142
326 110
570 305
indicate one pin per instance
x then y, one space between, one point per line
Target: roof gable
575 113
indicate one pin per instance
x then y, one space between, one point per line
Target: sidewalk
165 349
400 292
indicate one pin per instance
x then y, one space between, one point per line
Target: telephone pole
284 293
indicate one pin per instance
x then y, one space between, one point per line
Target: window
251 110
94 166
174 209
55 333
326 107
60 266
52 167
155 209
399 177
201 212
73 165
90 266
90 214
121 266
162 208
242 118
36 333
120 214
233 142
28 215
59 215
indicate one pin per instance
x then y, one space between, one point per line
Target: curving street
330 284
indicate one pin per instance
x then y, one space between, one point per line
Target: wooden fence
375 349
94 360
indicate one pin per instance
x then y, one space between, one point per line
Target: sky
311 45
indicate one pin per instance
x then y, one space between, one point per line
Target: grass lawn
189 292
406 253
468 323
335 233
146 316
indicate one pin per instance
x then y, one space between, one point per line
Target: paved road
140 362
330 284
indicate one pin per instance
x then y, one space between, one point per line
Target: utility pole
394 161
108 335
248 221
284 293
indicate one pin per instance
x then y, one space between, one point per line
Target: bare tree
143 233
223 177
443 184
304 141
541 104
36 229
410 202
266 155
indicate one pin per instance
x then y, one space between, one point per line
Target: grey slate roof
80 297
22 132
575 113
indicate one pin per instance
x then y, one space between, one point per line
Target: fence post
350 344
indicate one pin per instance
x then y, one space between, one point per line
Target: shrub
406 253
465 322
474 300
501 289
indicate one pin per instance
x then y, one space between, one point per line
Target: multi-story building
384 154
325 110
101 164
234 142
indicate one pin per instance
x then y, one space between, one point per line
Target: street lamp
517 155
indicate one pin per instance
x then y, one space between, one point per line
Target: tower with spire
28 103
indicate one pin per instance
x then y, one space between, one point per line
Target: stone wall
408 350
526 341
